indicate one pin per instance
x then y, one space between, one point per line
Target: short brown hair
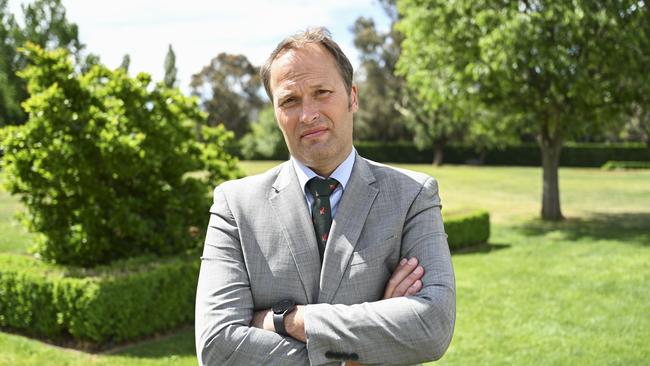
320 36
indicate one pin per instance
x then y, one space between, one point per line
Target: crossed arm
405 281
398 329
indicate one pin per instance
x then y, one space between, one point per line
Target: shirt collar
341 173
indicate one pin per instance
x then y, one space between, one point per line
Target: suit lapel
288 201
351 214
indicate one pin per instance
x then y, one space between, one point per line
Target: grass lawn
13 238
570 293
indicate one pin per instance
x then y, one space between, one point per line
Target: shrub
101 165
614 164
265 141
467 230
123 301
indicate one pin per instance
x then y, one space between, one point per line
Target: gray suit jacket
261 248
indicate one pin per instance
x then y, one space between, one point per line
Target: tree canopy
46 25
170 68
229 88
553 68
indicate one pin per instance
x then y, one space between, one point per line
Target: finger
414 289
409 281
399 276
400 273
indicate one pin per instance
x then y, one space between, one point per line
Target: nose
310 112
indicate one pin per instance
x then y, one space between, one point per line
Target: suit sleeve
403 330
224 303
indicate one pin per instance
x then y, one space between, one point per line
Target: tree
11 87
380 89
265 138
229 89
551 68
170 68
640 123
102 163
88 62
126 62
46 25
391 110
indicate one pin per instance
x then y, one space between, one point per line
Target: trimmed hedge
467 230
123 301
573 154
613 165
131 298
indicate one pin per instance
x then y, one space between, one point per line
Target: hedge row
614 165
123 301
467 230
579 155
582 155
132 298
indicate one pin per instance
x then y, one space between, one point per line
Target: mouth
313 133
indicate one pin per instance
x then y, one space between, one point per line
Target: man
281 283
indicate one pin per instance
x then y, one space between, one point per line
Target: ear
354 99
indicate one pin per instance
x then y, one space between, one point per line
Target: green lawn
573 293
13 238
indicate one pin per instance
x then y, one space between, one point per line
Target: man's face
312 107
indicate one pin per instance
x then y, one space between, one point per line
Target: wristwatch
280 310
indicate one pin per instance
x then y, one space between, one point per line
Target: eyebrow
285 95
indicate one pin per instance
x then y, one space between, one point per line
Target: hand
406 279
293 322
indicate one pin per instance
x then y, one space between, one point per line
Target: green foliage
170 68
552 65
616 165
574 154
11 87
45 24
265 141
102 163
391 110
380 90
126 62
126 300
229 89
554 69
467 230
396 152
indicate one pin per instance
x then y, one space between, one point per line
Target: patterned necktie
321 211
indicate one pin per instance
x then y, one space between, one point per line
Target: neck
326 169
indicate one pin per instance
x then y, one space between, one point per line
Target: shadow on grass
481 248
631 228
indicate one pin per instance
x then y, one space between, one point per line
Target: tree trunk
550 149
438 152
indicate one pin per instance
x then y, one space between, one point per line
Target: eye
287 102
323 92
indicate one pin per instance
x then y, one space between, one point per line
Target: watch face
282 306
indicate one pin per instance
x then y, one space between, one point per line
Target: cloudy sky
198 30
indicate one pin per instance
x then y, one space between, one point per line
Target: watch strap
278 323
